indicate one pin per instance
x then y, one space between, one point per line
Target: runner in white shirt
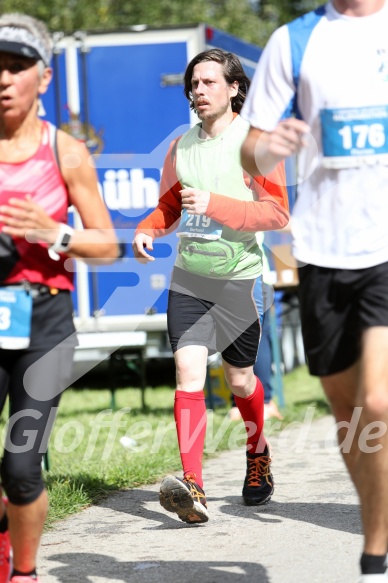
321 91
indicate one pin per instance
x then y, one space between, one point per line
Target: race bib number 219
199 226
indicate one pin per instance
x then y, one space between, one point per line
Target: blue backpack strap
300 31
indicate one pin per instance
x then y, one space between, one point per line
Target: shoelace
194 491
258 468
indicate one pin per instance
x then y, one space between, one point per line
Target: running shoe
185 498
258 484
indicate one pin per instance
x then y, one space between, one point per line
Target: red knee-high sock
190 419
252 411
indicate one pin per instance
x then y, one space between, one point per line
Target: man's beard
204 116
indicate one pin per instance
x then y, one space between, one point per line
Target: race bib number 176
352 137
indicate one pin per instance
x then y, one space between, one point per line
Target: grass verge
87 460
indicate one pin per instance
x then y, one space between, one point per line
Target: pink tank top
39 176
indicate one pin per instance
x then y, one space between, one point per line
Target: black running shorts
336 306
218 314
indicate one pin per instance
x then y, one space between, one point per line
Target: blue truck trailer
122 94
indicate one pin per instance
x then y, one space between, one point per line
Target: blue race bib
199 226
15 318
353 137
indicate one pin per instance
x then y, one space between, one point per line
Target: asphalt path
309 532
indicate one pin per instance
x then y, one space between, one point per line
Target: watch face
65 240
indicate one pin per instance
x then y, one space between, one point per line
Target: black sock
4 523
31 574
372 564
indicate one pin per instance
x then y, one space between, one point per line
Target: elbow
108 260
107 255
112 253
282 221
279 219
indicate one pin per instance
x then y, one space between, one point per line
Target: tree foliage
282 11
252 20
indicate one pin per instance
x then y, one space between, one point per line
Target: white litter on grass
128 442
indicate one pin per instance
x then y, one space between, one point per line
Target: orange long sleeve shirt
269 212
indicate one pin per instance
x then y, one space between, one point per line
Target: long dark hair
232 70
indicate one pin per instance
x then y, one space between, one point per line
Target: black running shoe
258 484
185 498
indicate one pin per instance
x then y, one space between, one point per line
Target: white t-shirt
340 215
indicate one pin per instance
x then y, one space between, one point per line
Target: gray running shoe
185 498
